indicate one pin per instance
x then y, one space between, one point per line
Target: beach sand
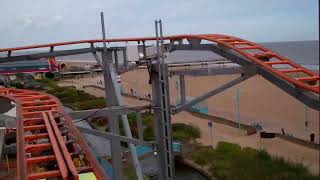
260 101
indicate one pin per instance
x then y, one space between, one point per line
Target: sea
305 53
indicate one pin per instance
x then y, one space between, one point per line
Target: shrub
77 99
90 104
184 132
148 134
17 85
229 161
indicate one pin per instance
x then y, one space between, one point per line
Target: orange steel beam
47 174
35 160
65 152
34 127
224 40
32 121
30 98
37 147
89 155
291 70
308 79
56 150
36 136
40 108
21 154
41 118
32 114
39 103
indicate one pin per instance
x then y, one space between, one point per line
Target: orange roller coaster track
47 134
257 54
48 139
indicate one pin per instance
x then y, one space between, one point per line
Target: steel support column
162 120
182 90
125 58
114 99
139 126
162 125
116 60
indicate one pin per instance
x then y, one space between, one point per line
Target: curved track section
48 143
261 56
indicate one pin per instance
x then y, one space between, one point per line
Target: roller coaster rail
305 89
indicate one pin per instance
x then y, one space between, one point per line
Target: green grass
129 172
229 161
183 132
146 122
70 96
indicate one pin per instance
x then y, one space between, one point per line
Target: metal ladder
163 102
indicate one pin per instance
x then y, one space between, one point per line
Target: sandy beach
260 102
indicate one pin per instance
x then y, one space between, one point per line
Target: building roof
41 65
42 62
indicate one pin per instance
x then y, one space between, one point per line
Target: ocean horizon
305 53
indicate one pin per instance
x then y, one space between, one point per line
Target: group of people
311 135
134 93
99 82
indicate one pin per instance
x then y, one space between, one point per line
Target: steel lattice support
162 122
161 99
113 95
263 57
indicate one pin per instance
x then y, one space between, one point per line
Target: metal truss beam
308 98
116 137
125 69
162 115
213 92
45 55
55 53
213 71
115 110
199 47
113 96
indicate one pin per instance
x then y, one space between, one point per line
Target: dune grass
229 162
183 132
70 96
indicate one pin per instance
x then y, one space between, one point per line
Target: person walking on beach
312 136
131 90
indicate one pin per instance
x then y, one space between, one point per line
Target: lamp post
238 107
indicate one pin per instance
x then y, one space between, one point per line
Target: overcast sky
25 22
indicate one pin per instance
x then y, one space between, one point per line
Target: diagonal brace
213 92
